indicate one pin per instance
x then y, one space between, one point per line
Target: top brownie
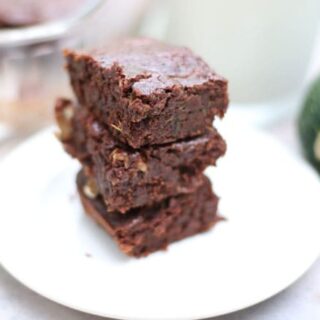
148 92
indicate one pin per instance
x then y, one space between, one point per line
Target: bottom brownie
145 230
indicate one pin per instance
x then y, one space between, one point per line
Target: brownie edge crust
148 229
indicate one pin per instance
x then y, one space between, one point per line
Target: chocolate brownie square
147 92
148 229
129 178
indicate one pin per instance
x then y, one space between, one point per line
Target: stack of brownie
142 130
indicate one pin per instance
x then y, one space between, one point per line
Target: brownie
127 177
148 92
148 229
21 13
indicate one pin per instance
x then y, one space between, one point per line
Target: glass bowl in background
31 68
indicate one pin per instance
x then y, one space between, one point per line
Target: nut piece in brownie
148 92
129 178
145 230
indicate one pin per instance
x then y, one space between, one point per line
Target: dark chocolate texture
147 92
129 178
148 229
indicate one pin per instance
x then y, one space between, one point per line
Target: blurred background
268 50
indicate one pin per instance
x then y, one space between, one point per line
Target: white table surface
301 301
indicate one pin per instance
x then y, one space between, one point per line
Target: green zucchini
309 125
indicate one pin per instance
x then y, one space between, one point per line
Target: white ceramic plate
271 201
